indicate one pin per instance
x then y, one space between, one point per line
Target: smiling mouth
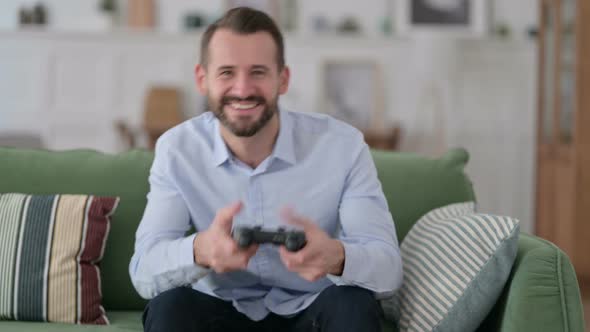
244 106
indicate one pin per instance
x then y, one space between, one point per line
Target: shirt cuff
193 271
351 262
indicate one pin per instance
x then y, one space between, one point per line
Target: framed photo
462 17
271 7
352 92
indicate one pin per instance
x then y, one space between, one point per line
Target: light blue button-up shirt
319 166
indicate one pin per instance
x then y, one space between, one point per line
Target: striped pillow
456 263
49 250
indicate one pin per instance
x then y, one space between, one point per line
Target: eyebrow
228 67
222 68
260 67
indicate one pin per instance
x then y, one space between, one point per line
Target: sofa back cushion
414 184
89 172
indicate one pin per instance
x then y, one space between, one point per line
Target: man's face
242 80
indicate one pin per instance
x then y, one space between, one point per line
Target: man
249 163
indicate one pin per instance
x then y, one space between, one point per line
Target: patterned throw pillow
456 263
50 246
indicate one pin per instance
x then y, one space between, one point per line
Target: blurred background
500 78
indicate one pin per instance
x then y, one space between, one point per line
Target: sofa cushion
456 263
122 175
50 246
120 321
414 185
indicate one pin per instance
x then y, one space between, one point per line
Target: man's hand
321 255
216 249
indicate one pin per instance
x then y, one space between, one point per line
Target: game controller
292 240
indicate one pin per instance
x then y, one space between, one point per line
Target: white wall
83 14
518 14
71 88
475 94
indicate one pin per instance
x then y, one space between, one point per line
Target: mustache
230 99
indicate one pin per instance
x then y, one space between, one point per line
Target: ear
201 79
284 78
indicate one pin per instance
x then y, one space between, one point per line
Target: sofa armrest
541 294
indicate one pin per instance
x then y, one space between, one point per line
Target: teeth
243 106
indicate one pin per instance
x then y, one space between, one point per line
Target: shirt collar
220 151
284 147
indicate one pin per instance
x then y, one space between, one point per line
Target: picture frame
270 7
352 91
458 17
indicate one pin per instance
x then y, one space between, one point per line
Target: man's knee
346 308
342 308
172 301
168 309
350 300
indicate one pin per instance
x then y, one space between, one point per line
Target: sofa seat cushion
119 321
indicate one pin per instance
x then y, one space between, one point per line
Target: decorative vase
141 14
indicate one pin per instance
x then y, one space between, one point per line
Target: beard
241 128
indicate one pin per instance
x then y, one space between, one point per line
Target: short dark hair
244 20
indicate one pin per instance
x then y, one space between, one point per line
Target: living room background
70 82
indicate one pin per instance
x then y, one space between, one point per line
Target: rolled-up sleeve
163 257
372 255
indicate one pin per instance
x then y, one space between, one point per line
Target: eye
258 72
225 73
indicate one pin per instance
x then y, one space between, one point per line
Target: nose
242 86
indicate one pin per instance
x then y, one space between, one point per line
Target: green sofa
542 292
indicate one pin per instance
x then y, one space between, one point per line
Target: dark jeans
337 308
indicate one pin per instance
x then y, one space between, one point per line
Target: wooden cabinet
563 129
